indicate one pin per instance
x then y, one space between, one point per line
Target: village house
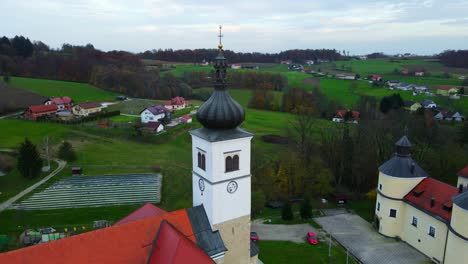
286 62
404 86
347 116
65 115
62 103
418 89
419 73
236 66
345 76
86 109
176 103
309 62
412 106
152 127
376 78
449 116
428 104
392 83
35 111
362 57
447 90
155 113
185 119
404 72
428 214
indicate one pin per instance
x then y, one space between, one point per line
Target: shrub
306 209
7 163
66 152
286 212
258 201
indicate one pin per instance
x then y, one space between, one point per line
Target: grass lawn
79 92
280 252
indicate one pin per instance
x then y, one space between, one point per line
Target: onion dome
220 111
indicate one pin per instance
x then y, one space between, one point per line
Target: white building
154 113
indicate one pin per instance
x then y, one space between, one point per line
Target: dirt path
6 204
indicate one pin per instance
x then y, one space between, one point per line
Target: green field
280 252
79 92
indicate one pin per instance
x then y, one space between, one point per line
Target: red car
312 238
254 236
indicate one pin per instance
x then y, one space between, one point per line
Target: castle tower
397 177
221 167
457 240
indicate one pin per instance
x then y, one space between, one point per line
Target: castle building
429 215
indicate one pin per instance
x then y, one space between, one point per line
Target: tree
286 212
66 152
463 134
29 161
258 201
306 209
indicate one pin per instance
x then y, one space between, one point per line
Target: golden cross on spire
220 45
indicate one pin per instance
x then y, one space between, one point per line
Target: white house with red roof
348 116
176 103
376 78
428 214
236 66
185 119
154 113
62 103
35 111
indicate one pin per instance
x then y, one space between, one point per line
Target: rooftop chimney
432 202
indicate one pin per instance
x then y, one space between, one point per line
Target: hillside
13 99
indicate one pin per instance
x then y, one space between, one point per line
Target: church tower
221 167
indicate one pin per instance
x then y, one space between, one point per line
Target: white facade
225 195
147 116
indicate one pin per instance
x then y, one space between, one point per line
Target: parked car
254 236
312 238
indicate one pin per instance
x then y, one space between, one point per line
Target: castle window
380 186
414 222
393 213
432 231
203 162
378 206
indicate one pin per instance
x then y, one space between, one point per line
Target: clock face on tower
201 184
232 187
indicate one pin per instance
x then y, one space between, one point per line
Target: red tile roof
146 211
445 88
173 247
429 188
57 100
463 172
185 118
126 243
66 100
176 101
88 105
376 77
342 114
43 108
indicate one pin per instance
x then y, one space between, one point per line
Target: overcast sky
360 26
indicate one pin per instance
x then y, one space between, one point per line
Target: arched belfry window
235 162
203 162
199 160
229 164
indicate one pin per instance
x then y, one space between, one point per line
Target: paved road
11 115
293 233
6 204
358 236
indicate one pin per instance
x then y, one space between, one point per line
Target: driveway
293 233
366 244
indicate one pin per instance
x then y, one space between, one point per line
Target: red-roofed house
428 214
236 66
446 90
62 103
176 103
35 111
376 78
346 116
185 119
146 211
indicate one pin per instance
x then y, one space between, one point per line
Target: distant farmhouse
412 106
236 66
347 116
429 215
86 109
152 127
345 76
35 111
62 103
428 104
447 90
154 113
449 116
176 103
